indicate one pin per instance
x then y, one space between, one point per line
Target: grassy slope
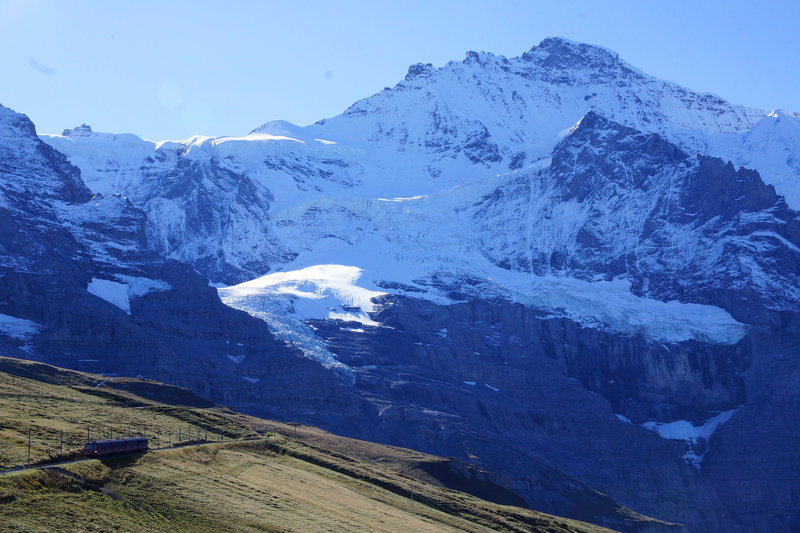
317 482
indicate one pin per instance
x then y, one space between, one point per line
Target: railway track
60 464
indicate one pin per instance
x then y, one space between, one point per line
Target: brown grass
317 482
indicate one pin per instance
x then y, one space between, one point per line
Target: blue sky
167 70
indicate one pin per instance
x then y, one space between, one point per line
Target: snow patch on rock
316 292
120 292
695 437
286 300
18 328
611 304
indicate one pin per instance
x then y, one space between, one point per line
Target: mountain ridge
430 144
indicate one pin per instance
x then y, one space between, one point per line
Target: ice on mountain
696 437
316 292
685 430
623 418
120 292
611 303
138 286
113 292
772 146
285 300
18 328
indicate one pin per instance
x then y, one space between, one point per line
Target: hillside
295 479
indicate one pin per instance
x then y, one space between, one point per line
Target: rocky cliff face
489 381
222 210
80 288
617 202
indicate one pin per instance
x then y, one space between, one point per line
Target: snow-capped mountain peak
453 126
280 128
84 130
558 53
21 163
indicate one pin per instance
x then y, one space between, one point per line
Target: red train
109 447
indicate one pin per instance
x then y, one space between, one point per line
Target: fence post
412 499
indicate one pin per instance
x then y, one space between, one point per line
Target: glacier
18 328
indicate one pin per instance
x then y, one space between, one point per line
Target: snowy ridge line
425 120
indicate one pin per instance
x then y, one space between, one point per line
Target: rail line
83 459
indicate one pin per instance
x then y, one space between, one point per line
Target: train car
97 448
